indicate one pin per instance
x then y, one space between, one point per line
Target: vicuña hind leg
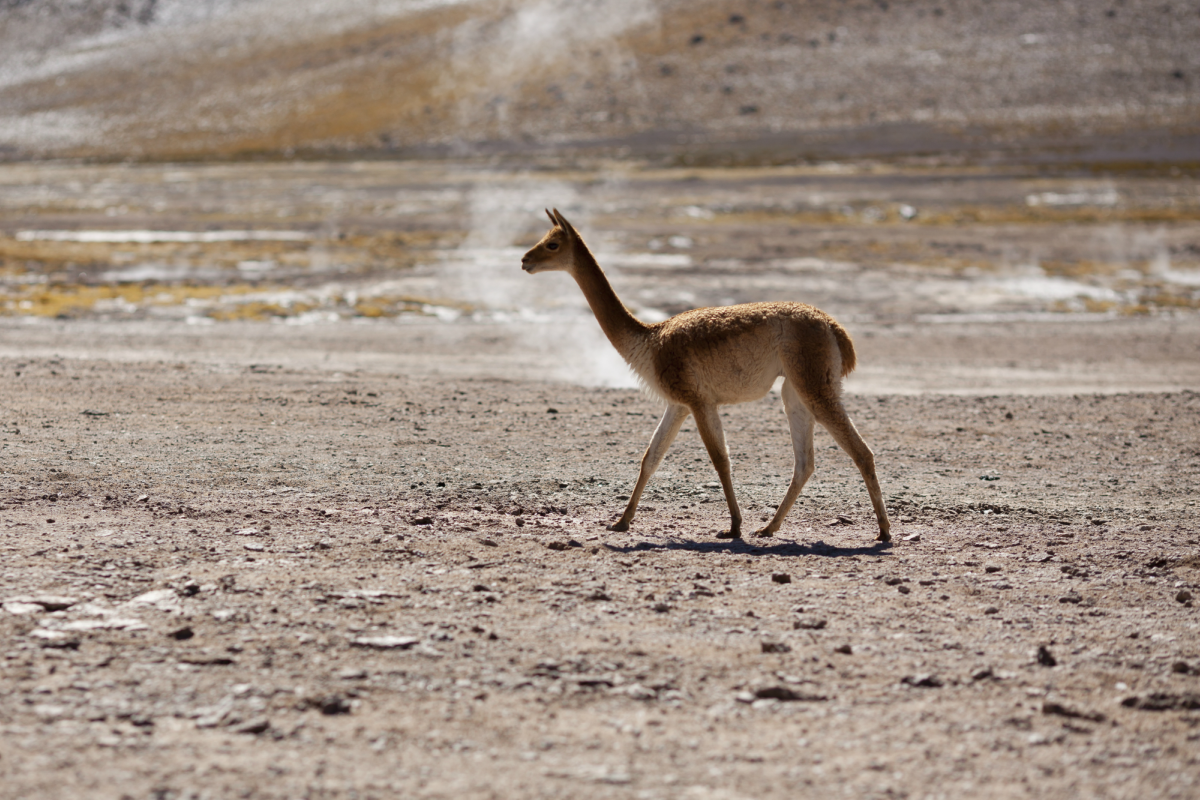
829 411
800 421
708 422
664 434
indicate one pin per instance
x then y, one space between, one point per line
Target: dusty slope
795 79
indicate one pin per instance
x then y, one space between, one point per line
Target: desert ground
304 483
324 516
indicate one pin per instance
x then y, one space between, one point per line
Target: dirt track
291 582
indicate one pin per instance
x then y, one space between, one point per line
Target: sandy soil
293 581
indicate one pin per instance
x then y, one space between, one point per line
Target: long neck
621 327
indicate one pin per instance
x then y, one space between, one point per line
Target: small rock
982 674
776 647
333 704
924 681
1039 559
17 607
352 674
912 537
1181 668
599 596
844 649
902 589
557 545
1045 657
991 568
386 642
488 543
253 547
182 634
1071 597
809 623
781 577
1183 596
893 581
246 532
1058 709
786 694
991 610
661 608
423 521
253 727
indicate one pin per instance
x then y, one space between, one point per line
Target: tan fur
705 358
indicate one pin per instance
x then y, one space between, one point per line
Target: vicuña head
705 358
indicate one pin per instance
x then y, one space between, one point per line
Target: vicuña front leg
664 434
708 422
800 421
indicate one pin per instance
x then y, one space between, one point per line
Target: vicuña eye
552 246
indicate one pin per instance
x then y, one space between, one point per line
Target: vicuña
705 358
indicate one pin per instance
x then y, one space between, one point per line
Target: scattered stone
809 623
786 694
386 642
1162 701
661 608
991 610
1181 668
991 568
844 649
246 532
902 589
333 704
254 547
1183 596
574 543
983 674
423 521
1045 657
55 640
488 543
17 607
253 727
842 519
1071 597
182 634
599 596
557 545
639 692
481 587
53 602
893 581
208 661
352 674
924 681
776 647
1040 559
1050 707
912 537
781 577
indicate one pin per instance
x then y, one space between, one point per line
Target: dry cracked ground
272 581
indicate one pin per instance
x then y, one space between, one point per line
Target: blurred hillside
708 81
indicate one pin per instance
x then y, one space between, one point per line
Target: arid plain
304 484
322 514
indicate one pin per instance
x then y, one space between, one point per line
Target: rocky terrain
283 582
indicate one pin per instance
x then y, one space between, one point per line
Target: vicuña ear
553 221
566 226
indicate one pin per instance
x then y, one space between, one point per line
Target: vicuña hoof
619 527
729 535
764 532
883 536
